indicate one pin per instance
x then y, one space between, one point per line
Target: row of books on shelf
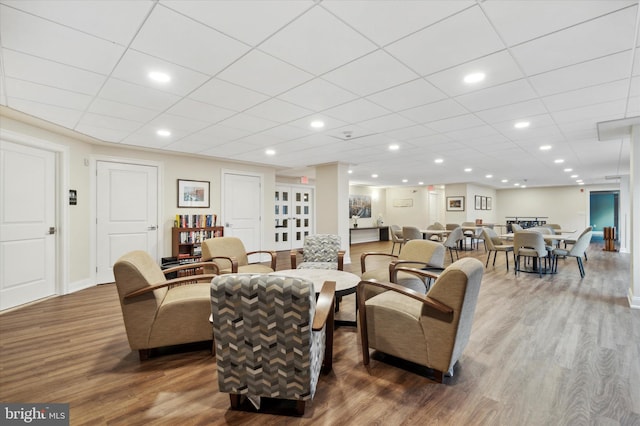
189 237
195 220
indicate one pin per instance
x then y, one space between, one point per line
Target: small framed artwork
484 203
193 193
489 203
455 204
478 205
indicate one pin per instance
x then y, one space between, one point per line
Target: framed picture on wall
483 203
455 204
489 203
360 205
478 205
193 193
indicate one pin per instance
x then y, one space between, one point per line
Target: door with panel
293 216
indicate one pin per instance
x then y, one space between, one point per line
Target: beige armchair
231 256
431 330
530 244
494 244
159 312
416 254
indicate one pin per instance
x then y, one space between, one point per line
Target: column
332 202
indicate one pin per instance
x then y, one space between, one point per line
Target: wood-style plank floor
555 350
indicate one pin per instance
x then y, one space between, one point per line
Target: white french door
27 224
126 213
293 216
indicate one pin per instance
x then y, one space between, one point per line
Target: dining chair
411 233
494 244
530 244
437 226
396 237
452 242
571 241
578 250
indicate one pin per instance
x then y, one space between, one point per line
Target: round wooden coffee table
346 283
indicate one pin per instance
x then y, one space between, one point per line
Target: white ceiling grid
250 75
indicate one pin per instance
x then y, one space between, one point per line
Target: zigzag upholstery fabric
265 346
320 251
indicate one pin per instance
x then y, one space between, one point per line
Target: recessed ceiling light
394 147
420 183
270 152
468 169
350 171
521 124
374 176
580 183
523 186
558 161
475 77
405 180
516 184
163 132
160 77
574 176
568 170
504 180
317 124
488 176
579 180
438 161
545 147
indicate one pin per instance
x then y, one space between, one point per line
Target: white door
242 207
293 215
27 224
126 213
434 208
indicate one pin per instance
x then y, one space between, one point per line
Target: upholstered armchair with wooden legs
272 337
430 329
231 256
396 237
158 312
416 254
319 251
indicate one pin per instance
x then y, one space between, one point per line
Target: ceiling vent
349 135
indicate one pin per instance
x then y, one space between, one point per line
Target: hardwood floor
555 350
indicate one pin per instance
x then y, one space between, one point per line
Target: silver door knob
152 228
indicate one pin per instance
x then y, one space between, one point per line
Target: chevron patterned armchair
320 251
272 337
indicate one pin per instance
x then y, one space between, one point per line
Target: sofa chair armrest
192 266
201 278
341 260
293 254
364 256
325 312
271 253
231 259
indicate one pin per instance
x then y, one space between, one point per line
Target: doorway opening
604 209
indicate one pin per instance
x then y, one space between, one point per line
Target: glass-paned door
293 216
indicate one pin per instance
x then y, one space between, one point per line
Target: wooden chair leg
235 399
364 338
300 407
486 265
438 375
144 354
506 256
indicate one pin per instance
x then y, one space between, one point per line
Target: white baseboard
634 301
80 285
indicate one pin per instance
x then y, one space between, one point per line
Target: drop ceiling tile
278 111
514 111
178 39
132 94
460 122
409 133
499 68
356 111
317 95
560 49
106 122
435 111
444 45
119 110
598 112
229 150
317 42
135 67
248 21
200 111
372 73
113 20
38 37
248 122
227 95
65 117
288 132
598 71
176 124
492 97
387 21
48 73
102 133
48 95
263 73
407 95
329 123
260 141
588 95
519 21
219 134
387 123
